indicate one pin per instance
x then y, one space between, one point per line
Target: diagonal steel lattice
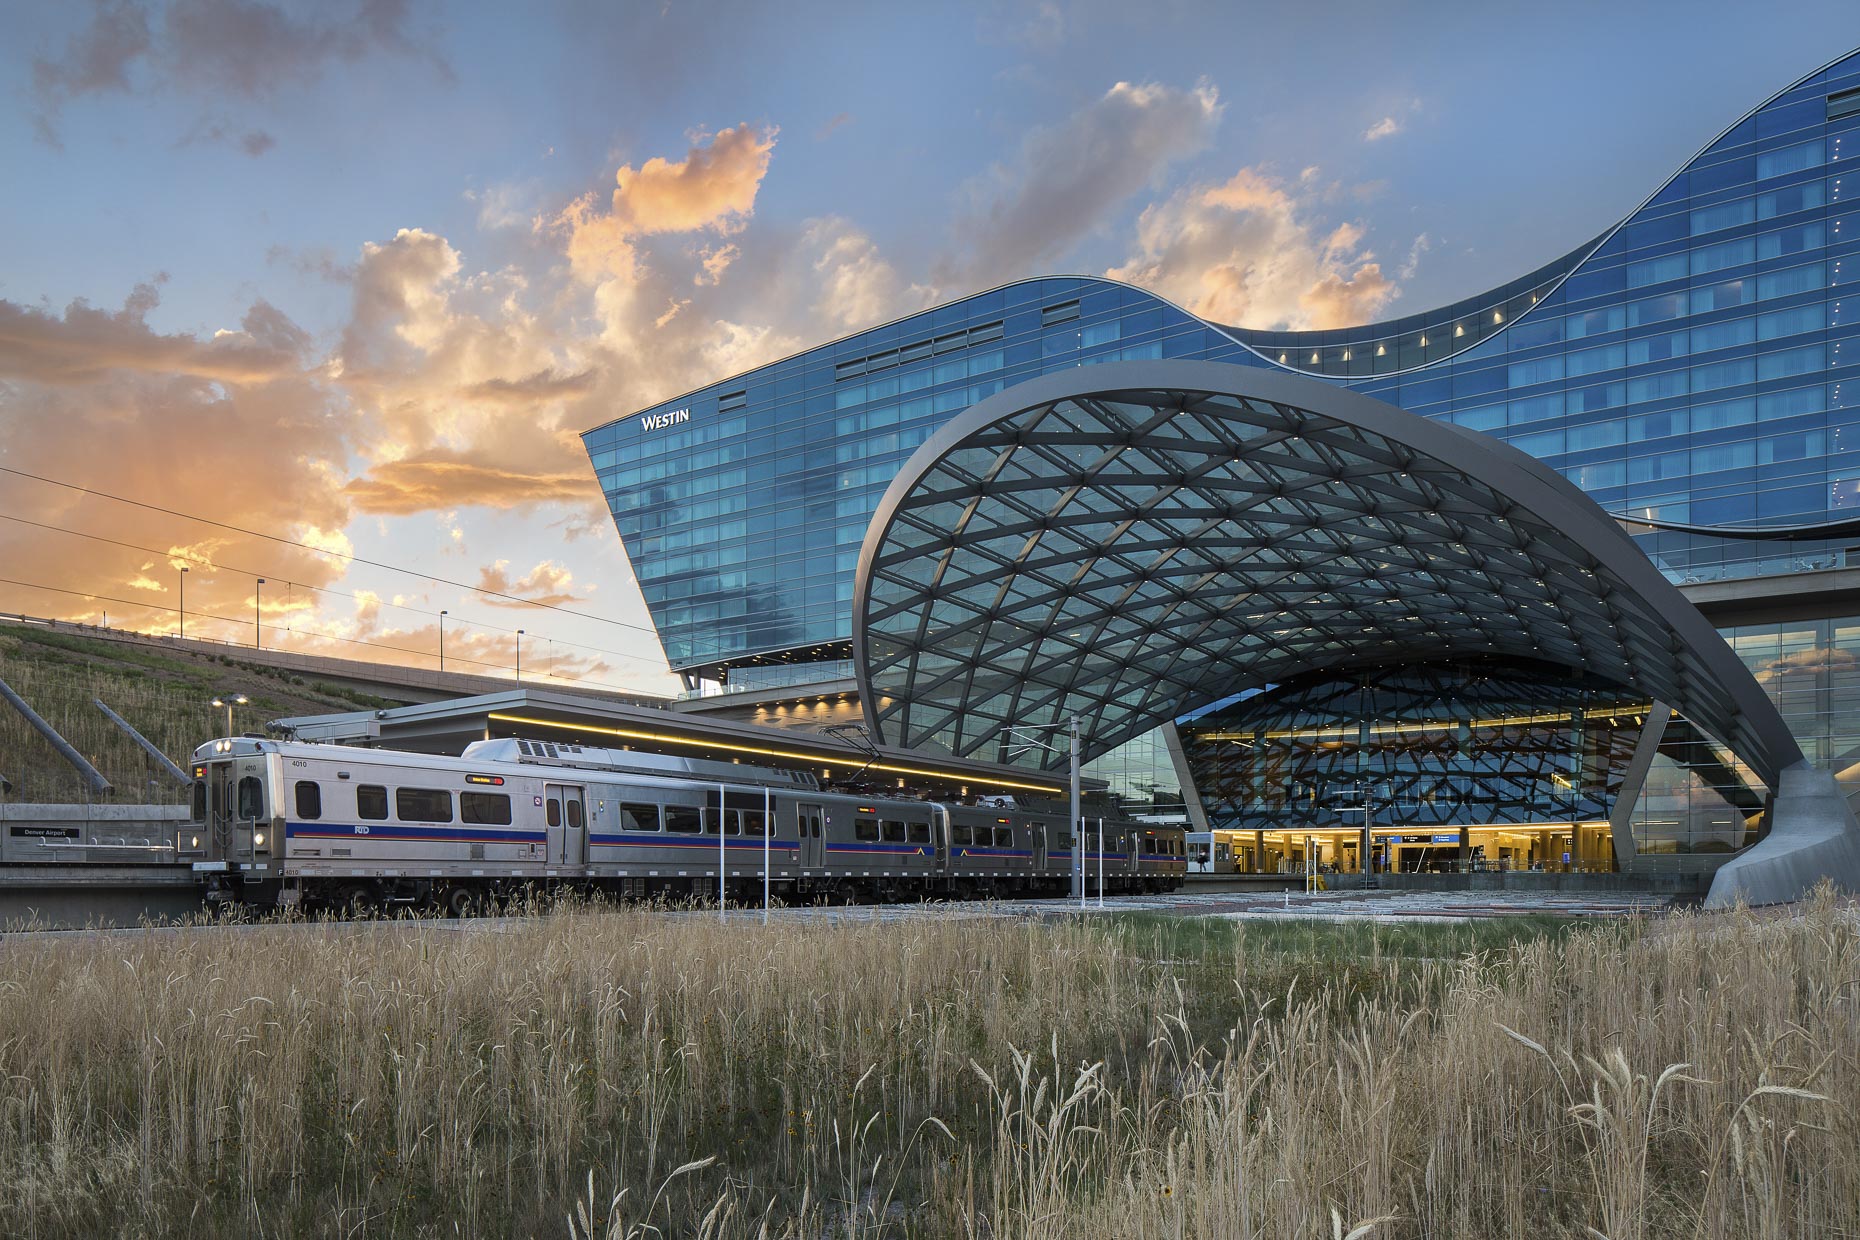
1134 541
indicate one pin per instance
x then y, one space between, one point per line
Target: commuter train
282 823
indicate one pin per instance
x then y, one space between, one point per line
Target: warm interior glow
794 755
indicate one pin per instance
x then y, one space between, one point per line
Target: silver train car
289 824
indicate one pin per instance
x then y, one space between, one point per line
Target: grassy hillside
164 694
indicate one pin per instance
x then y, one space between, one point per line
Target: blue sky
423 202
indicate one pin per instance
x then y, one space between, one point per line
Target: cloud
83 344
253 142
713 187
445 478
1040 25
1065 180
505 204
239 428
1387 127
1421 245
96 61
834 122
250 48
856 285
548 583
543 385
245 49
463 390
1247 251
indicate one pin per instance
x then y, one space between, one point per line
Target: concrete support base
1812 836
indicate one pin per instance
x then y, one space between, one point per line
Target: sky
324 293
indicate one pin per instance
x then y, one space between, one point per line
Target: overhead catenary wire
329 637
208 562
339 555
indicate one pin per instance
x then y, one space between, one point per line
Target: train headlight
258 840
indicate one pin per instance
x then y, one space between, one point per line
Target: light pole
237 699
258 639
1078 839
519 656
442 639
183 632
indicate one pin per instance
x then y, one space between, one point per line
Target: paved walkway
1383 906
1330 906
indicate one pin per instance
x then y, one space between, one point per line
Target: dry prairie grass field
629 1072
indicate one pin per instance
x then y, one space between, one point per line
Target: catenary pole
1101 863
1078 824
768 833
721 799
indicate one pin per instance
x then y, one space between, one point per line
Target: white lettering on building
659 421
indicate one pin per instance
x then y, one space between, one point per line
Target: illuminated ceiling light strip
1343 731
960 777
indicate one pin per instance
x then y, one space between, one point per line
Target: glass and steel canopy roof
1133 541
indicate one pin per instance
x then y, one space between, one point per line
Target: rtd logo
659 421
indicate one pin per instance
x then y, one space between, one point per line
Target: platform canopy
1130 542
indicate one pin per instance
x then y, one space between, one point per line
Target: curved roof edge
1237 335
1528 483
1579 255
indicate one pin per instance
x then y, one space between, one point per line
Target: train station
1553 580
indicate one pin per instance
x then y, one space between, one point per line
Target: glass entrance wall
1467 765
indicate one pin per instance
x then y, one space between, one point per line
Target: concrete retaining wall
74 833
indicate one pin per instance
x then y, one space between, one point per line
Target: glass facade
1460 765
1696 370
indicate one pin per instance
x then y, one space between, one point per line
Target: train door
565 812
1041 846
939 832
220 805
811 821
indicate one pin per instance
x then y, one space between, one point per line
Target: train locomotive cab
234 831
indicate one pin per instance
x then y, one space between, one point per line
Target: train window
423 804
645 817
865 829
309 799
920 833
553 814
575 819
1065 839
1004 837
251 798
733 823
894 831
752 822
683 819
200 800
485 808
961 834
370 801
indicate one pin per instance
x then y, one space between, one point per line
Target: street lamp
442 639
257 633
183 632
237 699
519 656
1078 836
